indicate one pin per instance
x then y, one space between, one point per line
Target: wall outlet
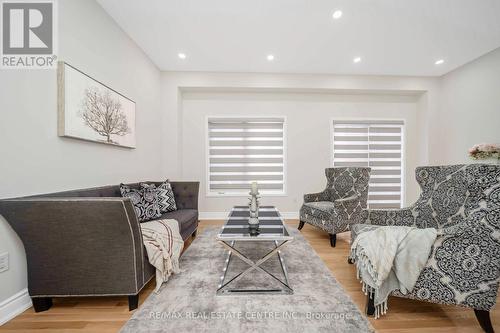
4 262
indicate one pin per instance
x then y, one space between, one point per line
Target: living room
314 119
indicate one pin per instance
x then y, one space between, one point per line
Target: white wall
308 136
469 110
35 160
308 101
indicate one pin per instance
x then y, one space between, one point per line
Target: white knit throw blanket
163 244
389 258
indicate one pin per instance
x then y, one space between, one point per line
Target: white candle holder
253 220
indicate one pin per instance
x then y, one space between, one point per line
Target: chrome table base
224 287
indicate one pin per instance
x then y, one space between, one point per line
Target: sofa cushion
144 200
185 217
166 198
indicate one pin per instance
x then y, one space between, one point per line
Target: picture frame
92 111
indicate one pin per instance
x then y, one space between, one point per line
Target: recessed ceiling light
337 14
356 60
439 62
270 57
182 55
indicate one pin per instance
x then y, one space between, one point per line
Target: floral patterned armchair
340 204
463 203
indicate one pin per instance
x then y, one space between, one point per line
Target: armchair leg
133 302
41 303
333 239
301 225
194 233
483 317
370 304
350 261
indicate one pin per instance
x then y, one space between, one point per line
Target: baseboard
14 306
223 215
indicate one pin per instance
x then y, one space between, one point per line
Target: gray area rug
188 301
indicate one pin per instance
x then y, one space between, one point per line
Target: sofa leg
301 225
41 303
350 261
333 239
483 317
370 304
133 302
194 233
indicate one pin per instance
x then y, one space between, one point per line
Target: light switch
4 262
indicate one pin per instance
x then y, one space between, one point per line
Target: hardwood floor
109 314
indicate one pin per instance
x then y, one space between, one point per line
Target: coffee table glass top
271 225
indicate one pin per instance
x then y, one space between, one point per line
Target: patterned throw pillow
166 199
144 200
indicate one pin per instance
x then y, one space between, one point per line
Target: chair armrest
352 200
312 197
78 246
349 205
186 194
400 217
350 209
466 258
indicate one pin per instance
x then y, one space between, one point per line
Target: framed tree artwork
89 110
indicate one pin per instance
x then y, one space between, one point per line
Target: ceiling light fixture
270 57
181 56
439 62
356 60
337 14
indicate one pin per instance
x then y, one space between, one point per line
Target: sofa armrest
312 197
186 194
400 217
79 246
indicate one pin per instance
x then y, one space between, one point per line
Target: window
379 145
244 150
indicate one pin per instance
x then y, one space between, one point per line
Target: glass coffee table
240 240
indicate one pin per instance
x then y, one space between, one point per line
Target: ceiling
392 37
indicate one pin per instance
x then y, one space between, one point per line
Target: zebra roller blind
244 150
379 145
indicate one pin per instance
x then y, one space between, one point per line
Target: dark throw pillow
166 199
145 202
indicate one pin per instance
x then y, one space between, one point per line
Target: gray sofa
88 243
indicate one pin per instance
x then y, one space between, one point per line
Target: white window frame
403 146
209 193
